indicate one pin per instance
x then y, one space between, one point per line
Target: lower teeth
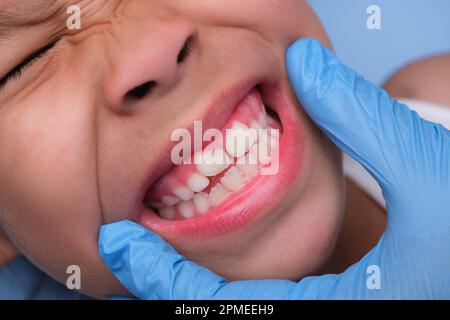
233 180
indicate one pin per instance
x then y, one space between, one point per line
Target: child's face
80 147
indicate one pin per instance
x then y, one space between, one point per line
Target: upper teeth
197 182
239 139
184 193
262 119
252 149
212 161
170 200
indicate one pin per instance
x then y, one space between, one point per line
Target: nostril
141 90
188 47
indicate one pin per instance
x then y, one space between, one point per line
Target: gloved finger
151 269
386 137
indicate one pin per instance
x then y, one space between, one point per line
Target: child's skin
75 150
427 79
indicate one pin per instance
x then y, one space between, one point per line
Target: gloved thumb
385 136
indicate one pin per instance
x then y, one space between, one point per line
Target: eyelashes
17 71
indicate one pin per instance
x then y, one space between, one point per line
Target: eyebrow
21 13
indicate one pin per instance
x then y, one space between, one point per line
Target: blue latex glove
408 156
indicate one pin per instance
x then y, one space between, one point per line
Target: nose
146 58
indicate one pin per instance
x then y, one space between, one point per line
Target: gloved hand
408 156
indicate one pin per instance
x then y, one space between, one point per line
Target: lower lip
251 203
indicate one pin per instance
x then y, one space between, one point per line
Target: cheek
50 205
53 222
283 21
309 229
279 21
329 198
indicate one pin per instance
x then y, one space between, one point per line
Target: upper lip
215 115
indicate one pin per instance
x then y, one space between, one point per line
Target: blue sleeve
21 280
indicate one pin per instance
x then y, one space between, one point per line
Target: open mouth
211 198
220 170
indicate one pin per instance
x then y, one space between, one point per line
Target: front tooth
186 209
197 182
184 193
239 139
212 161
167 213
201 202
170 200
232 180
217 194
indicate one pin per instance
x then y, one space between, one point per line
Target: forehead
16 13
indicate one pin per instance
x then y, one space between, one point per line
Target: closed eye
17 71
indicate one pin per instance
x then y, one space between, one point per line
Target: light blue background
411 29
